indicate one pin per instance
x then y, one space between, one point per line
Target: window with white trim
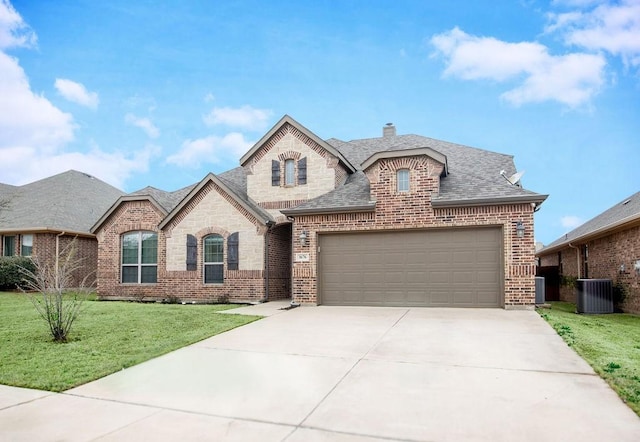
26 245
139 258
402 178
213 259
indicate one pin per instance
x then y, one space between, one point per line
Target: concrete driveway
341 373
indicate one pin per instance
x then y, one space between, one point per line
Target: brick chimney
389 130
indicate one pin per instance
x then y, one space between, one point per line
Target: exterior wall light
520 229
303 237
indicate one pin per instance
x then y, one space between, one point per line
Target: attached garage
418 268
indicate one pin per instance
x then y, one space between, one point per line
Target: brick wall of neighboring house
44 249
413 210
608 255
566 260
279 262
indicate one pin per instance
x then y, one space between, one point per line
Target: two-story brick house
395 220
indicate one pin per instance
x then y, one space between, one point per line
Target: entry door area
417 268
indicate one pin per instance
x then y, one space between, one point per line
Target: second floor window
402 177
289 173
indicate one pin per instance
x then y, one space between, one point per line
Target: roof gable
421 151
279 126
227 186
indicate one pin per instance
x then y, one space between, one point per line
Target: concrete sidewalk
343 373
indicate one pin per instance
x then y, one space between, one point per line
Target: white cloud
27 119
14 32
611 26
571 79
76 93
34 133
571 222
209 98
143 123
245 117
211 149
21 165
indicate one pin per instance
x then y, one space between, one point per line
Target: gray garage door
430 268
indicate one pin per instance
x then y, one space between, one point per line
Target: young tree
53 291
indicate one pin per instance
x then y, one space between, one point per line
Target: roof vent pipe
389 130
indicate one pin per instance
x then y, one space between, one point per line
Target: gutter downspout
57 257
577 259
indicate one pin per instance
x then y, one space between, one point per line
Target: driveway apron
343 373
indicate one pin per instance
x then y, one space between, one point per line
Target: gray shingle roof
625 211
71 201
354 194
474 174
168 200
235 180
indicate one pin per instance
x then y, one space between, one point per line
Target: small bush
11 274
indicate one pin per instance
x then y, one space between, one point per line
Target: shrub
11 274
52 298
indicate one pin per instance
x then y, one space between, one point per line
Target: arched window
213 259
139 252
402 177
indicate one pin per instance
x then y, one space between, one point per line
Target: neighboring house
40 219
607 247
397 220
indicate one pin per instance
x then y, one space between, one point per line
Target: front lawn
107 337
609 343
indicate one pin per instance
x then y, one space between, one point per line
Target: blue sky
162 92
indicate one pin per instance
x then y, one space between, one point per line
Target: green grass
609 343
107 337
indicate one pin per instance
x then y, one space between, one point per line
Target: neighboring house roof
621 215
288 120
71 202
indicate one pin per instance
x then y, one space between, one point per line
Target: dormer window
289 173
402 177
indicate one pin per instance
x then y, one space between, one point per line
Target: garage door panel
450 267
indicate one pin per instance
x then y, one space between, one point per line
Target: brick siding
243 285
606 255
413 210
44 250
